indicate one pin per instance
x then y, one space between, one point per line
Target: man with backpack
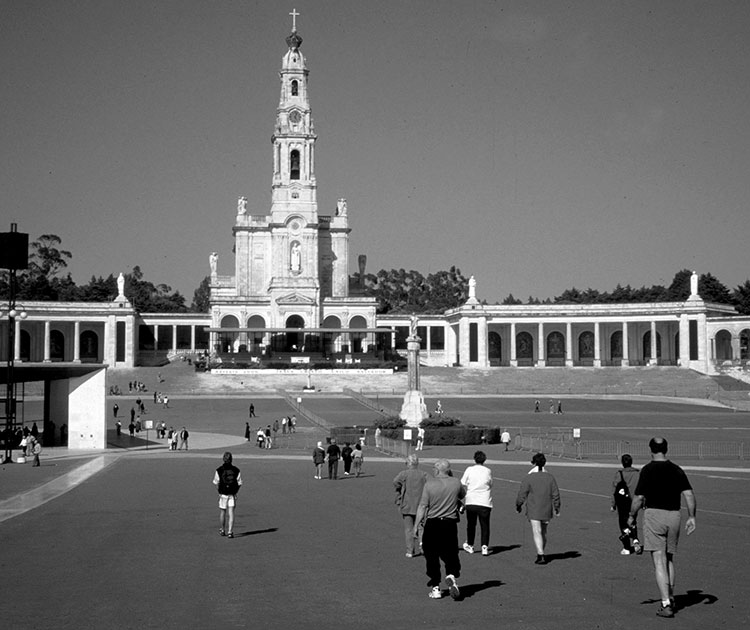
623 487
228 480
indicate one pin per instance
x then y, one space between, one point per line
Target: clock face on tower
295 117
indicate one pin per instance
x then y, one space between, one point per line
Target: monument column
597 348
654 357
413 410
568 344
541 356
513 354
77 342
625 345
46 342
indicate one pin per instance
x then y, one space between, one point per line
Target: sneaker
346 474
624 552
468 548
540 559
230 535
222 532
485 550
435 593
452 586
409 555
637 547
665 611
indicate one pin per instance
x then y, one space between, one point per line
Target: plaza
134 541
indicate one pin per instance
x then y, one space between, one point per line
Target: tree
711 290
510 300
741 298
46 259
201 296
679 290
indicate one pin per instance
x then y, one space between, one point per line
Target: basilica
289 299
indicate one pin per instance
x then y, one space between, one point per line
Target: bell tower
294 190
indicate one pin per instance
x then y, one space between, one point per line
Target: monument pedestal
413 410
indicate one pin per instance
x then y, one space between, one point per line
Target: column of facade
482 343
541 360
46 342
654 357
513 354
77 342
464 343
131 343
174 338
736 347
108 347
192 338
428 343
684 358
17 340
156 337
568 344
625 345
597 348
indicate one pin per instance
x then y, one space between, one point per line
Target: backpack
622 493
228 480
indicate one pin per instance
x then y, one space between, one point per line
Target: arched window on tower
294 165
295 88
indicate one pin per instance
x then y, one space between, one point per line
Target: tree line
396 290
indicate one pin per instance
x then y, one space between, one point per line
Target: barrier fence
581 449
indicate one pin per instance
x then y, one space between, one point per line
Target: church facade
289 297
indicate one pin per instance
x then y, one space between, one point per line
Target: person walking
358 458
267 443
247 431
346 456
661 486
115 409
409 484
334 453
477 483
420 439
541 495
623 488
228 481
319 458
251 410
438 510
505 438
36 449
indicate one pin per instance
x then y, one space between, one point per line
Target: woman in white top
477 480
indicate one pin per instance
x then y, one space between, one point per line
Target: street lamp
14 255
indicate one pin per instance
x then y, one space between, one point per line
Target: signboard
407 434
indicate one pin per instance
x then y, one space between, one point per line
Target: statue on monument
413 321
213 260
472 288
341 208
242 205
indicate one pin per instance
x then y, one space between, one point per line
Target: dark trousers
623 512
333 468
481 512
440 542
347 464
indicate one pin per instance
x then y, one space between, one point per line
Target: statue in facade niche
242 205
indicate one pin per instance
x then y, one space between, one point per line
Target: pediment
295 298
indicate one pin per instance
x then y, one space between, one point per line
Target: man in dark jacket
334 453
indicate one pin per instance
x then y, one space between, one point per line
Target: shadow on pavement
568 555
694 597
468 590
257 531
502 549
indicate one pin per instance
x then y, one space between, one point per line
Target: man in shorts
661 486
228 480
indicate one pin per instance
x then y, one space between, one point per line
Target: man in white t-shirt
477 481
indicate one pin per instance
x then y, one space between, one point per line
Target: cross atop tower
294 15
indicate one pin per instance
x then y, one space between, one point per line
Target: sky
537 145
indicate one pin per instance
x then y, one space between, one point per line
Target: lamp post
14 255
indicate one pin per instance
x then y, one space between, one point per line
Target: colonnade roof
34 372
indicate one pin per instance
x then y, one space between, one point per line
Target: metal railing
369 403
582 449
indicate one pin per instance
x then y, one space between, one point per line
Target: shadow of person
568 555
257 531
469 590
501 548
694 597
